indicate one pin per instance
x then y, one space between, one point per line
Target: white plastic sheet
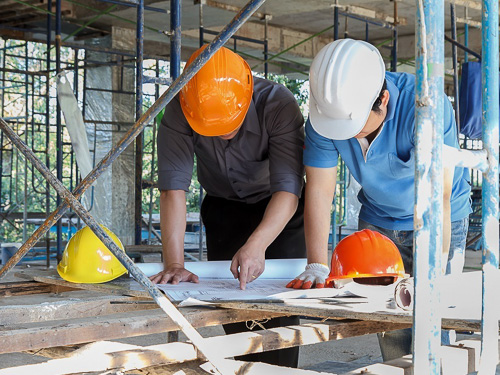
78 135
460 294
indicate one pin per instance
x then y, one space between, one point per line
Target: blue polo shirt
387 176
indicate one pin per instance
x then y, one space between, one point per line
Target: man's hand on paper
313 277
248 264
174 274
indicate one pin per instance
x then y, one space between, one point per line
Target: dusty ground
335 357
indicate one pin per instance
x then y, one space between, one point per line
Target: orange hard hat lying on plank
365 254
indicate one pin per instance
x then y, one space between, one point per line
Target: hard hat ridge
86 260
365 254
346 77
216 100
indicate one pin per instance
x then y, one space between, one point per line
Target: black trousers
228 225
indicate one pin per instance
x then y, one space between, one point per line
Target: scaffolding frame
139 57
71 199
428 217
428 184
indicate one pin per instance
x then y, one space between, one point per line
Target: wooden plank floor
45 312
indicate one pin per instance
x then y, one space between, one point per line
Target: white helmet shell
345 78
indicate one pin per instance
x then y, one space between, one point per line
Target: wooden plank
124 285
143 248
474 348
98 347
100 358
33 336
400 366
68 305
455 360
349 308
234 367
14 288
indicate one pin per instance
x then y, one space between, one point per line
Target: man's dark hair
378 101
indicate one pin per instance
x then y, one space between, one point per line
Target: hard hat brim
336 129
89 280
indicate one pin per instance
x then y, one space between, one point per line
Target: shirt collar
251 122
393 99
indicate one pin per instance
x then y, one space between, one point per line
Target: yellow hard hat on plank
87 260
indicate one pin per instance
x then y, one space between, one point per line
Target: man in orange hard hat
247 135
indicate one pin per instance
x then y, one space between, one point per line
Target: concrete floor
335 356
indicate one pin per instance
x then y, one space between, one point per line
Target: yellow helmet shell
87 260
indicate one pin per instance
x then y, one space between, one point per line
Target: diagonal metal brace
154 292
135 130
72 200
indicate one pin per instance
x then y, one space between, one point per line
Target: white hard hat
345 77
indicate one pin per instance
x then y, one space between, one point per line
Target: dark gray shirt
264 157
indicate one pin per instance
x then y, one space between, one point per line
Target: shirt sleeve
450 124
175 149
319 152
286 142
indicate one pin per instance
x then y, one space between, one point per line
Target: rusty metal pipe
139 126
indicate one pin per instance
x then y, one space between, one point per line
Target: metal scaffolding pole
466 35
162 301
72 199
139 76
47 124
139 126
490 231
200 200
59 145
428 219
175 38
455 64
463 47
336 21
394 52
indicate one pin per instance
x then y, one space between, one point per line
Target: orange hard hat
216 100
364 254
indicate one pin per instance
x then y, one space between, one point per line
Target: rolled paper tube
403 294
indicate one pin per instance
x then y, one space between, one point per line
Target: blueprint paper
218 284
216 290
286 269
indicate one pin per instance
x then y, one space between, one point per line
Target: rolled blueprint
275 269
460 295
403 294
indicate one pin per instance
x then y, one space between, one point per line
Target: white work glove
314 276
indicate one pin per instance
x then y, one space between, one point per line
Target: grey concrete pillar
110 106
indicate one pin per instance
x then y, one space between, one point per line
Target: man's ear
385 98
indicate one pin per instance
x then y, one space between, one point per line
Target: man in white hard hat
367 116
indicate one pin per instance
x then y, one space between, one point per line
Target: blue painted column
489 73
428 222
